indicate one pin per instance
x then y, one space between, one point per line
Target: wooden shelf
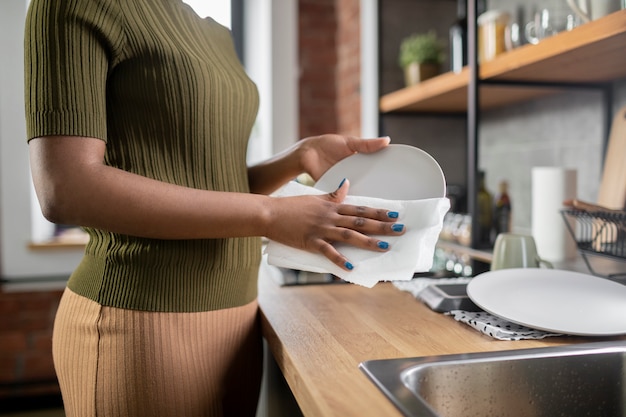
55 245
592 53
482 255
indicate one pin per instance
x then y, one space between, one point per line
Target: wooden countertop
319 334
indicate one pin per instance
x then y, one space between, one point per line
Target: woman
138 115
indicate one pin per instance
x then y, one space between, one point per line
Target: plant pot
415 72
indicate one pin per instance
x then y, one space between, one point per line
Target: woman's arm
74 186
313 155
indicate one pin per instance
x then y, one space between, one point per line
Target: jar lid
493 16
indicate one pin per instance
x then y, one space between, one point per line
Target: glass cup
549 22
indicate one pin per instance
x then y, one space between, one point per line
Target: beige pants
114 362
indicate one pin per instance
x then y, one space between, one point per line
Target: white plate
397 172
553 300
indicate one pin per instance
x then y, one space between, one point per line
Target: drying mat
497 327
484 322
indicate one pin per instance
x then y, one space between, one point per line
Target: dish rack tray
597 232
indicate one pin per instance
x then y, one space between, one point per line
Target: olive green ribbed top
165 90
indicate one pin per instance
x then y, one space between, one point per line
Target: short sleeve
69 48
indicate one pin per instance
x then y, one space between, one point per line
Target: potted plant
421 55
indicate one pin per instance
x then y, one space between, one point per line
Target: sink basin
574 381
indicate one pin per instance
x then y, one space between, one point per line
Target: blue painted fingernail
383 245
341 183
392 214
397 227
349 266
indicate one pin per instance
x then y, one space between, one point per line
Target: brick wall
329 58
26 367
348 67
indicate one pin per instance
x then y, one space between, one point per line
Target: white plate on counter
553 300
397 172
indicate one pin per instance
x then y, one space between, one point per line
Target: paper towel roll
550 186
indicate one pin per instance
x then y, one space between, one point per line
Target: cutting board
612 192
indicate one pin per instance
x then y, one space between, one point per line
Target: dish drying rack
598 232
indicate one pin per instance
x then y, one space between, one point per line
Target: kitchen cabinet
587 57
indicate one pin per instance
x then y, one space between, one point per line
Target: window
219 10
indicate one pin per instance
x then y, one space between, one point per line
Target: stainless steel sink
572 381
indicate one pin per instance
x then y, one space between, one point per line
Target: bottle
485 208
458 35
502 211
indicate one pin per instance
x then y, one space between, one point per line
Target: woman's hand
313 223
319 153
313 155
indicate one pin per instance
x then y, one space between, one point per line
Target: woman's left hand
319 153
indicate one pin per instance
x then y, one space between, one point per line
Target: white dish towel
411 252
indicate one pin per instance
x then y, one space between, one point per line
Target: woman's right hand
313 223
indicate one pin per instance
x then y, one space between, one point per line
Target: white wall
369 68
16 260
271 45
